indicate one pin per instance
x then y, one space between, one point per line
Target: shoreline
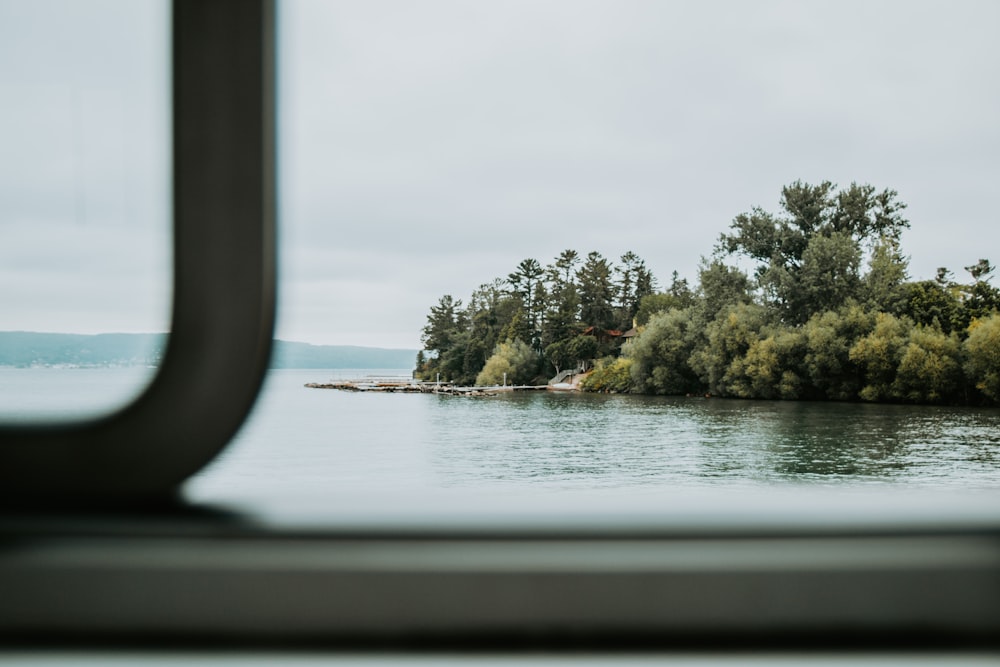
407 386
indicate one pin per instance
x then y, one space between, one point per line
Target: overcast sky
428 147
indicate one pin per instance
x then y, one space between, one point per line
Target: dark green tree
779 243
660 354
719 287
596 292
653 304
583 349
565 263
443 322
561 319
634 281
828 276
516 329
526 282
559 356
681 290
828 368
489 309
882 287
981 270
729 336
979 299
931 303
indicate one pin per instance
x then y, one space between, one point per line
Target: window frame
223 282
917 575
175 574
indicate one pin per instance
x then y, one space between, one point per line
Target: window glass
85 207
428 151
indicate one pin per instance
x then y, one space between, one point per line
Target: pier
408 386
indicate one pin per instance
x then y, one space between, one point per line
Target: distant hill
25 349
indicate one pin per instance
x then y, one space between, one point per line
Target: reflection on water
631 440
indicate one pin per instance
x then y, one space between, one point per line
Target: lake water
305 440
318 438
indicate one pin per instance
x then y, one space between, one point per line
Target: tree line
536 321
813 301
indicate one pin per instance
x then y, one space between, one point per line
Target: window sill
829 571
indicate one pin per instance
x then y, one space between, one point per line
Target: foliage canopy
827 312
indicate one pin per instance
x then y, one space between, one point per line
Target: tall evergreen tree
442 324
526 282
446 335
634 282
561 319
596 292
565 263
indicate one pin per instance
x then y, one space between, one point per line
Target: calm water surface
29 394
310 440
317 440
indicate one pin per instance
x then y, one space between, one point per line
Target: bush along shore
813 301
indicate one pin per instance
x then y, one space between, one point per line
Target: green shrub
982 355
609 375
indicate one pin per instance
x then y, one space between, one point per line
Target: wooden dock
408 386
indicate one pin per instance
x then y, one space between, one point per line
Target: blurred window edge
223 283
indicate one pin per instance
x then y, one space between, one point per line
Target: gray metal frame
922 574
224 280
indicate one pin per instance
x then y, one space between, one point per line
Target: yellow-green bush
982 355
610 375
